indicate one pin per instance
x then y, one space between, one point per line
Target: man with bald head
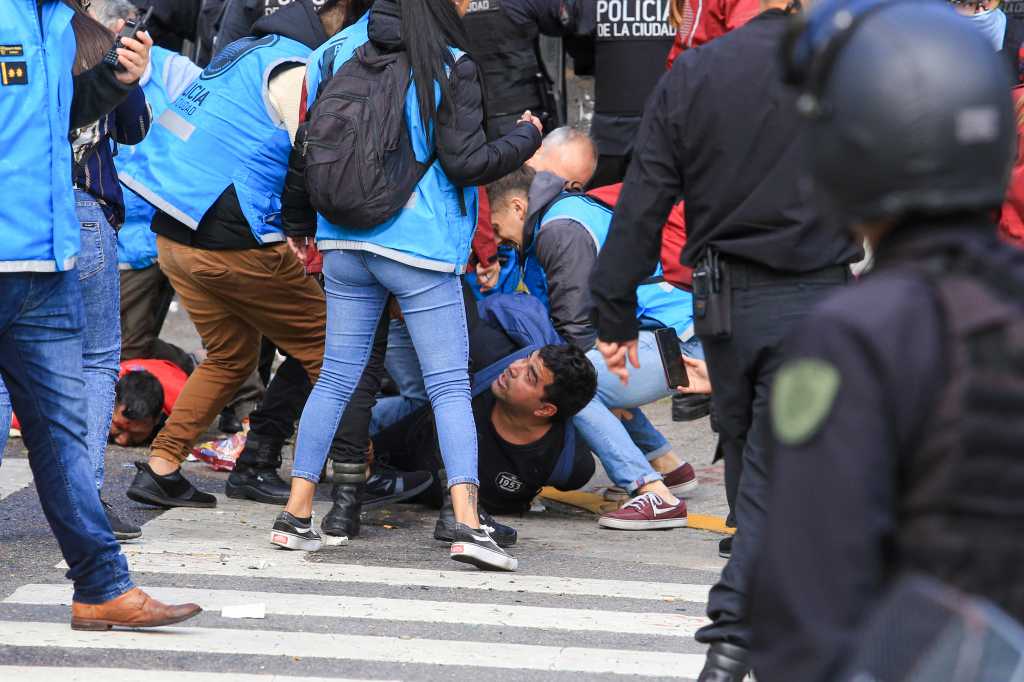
566 152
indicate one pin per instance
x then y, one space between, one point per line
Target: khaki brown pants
234 298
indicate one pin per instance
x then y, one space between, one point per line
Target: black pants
286 396
741 369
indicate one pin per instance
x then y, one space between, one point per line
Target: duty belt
745 274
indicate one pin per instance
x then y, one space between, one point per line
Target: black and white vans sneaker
475 546
291 532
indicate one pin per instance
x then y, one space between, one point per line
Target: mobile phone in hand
130 29
671 358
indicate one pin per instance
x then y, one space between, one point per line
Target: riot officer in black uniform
899 413
504 39
722 129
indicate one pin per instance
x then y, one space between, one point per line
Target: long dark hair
93 39
429 27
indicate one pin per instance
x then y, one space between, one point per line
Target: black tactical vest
961 516
632 41
507 55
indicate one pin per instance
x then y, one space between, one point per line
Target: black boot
725 663
690 407
255 475
444 529
229 422
347 493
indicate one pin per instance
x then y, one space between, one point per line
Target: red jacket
705 20
673 237
170 376
1011 220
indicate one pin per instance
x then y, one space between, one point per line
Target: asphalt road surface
587 603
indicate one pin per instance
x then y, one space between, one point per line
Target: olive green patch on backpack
802 399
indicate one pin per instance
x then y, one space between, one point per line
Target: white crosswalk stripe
15 474
359 647
47 674
231 543
414 610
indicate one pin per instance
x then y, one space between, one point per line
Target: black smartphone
129 30
671 357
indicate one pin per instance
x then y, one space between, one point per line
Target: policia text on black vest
632 39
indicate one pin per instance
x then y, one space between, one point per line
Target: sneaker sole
121 537
246 492
398 497
441 534
624 524
144 497
484 559
292 541
684 488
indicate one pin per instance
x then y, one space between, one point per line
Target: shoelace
637 503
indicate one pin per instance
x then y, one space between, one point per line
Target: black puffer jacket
466 156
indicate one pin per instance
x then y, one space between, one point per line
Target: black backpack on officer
360 165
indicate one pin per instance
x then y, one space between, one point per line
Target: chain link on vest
962 491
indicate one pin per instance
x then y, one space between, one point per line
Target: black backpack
360 165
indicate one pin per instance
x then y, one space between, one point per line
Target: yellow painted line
596 504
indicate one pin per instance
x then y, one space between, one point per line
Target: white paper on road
242 610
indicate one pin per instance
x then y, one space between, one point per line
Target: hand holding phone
671 358
129 31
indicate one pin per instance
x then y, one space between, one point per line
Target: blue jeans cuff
313 478
113 592
658 452
463 479
649 478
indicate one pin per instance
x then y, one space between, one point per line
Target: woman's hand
133 55
697 373
530 118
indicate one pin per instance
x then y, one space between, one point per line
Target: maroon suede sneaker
646 512
682 480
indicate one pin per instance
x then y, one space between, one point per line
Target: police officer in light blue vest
145 291
217 160
558 235
41 312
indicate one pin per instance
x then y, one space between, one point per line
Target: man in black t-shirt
521 406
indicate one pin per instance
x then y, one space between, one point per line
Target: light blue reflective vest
222 131
38 228
165 79
659 304
434 229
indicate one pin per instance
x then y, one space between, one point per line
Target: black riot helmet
909 106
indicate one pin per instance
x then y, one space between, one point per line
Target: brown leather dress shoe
133 609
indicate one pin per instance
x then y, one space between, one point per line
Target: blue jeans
100 284
358 284
646 382
5 417
626 448
404 368
41 319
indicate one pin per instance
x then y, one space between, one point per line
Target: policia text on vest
633 19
